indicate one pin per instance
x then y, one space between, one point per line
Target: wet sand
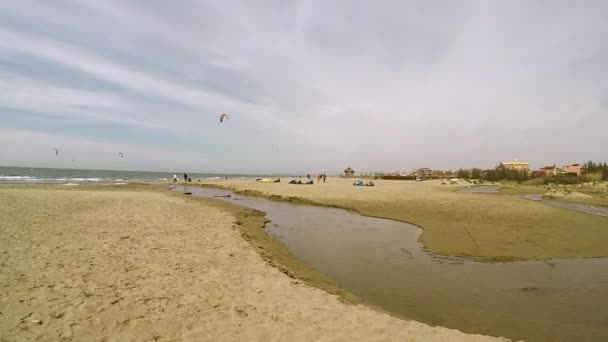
144 265
492 227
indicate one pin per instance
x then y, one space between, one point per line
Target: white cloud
392 85
109 71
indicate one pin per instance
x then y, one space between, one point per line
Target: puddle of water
382 262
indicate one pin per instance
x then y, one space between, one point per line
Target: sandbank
489 227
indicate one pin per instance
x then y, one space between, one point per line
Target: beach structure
550 170
424 173
553 170
438 174
349 172
517 165
573 168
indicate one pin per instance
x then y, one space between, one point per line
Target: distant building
550 170
424 173
547 171
437 174
349 172
451 174
573 168
517 165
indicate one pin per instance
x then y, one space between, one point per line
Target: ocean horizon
37 175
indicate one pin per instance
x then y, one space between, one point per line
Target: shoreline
251 224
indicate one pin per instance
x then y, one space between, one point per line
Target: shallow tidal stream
382 262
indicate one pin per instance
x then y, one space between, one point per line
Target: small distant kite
224 117
56 151
122 155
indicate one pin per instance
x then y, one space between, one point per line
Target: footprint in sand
408 254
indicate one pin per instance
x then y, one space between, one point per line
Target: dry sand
83 265
486 226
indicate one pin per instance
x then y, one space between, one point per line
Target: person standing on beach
174 178
324 177
185 178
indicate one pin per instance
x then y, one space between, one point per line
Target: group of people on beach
186 178
320 177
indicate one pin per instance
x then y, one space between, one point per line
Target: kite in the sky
56 151
122 155
223 117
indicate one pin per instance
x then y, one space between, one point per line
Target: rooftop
516 162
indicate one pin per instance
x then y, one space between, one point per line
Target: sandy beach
486 226
147 265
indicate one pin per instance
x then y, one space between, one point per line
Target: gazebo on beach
349 172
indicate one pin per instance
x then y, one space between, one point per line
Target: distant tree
476 173
590 167
500 172
489 175
464 174
603 168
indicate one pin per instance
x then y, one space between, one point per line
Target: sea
27 175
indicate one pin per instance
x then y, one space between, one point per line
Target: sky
310 86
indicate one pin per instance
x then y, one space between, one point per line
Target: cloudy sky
311 86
